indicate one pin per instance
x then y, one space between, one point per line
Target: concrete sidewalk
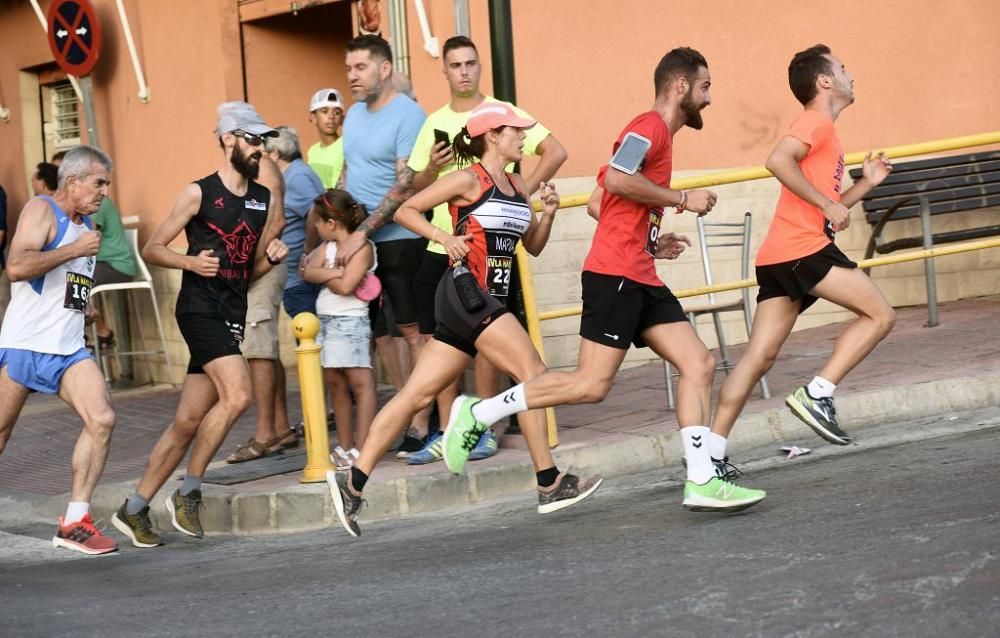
915 372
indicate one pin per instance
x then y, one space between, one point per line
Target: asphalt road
901 540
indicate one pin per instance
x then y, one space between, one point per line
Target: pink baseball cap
491 115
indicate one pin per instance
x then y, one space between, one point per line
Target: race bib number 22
498 275
77 291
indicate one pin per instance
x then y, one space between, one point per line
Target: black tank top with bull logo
230 226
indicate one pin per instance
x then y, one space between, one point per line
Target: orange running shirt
627 228
799 228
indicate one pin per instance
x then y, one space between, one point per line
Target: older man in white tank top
51 267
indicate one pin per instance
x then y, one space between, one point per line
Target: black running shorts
455 325
398 261
796 279
617 310
425 285
209 337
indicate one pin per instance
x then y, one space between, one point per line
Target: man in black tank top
232 226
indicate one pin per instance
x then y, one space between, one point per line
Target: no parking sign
74 35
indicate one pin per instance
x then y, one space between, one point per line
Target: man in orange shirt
798 261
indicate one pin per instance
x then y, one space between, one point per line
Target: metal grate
65 114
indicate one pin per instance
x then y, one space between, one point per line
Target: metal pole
306 327
534 328
929 271
502 51
462 18
88 107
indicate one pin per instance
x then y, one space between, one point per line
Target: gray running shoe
819 414
185 512
346 500
567 490
137 527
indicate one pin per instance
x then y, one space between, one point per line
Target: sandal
287 440
251 450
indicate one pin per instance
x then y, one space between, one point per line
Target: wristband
273 262
681 204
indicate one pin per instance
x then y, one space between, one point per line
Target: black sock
547 478
358 478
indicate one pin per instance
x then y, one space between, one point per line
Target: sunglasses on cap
251 139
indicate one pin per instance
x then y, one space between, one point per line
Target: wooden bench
929 187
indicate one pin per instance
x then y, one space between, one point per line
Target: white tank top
46 313
330 303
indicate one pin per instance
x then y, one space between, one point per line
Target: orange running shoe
82 536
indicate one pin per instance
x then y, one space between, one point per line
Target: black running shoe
346 500
409 445
567 490
819 414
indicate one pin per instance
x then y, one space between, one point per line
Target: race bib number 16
77 291
653 232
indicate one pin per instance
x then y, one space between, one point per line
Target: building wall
584 73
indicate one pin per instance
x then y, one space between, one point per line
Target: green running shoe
719 495
137 527
462 434
184 512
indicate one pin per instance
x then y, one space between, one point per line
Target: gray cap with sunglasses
241 116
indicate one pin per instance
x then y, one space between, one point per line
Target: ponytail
338 205
468 150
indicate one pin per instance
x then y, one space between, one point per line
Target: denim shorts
346 341
39 371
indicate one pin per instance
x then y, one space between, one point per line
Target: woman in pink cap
490 213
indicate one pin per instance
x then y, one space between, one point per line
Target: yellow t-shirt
327 161
451 122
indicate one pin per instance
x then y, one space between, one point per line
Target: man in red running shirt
624 302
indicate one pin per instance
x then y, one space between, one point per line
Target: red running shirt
626 227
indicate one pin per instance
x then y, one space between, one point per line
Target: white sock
716 446
75 512
819 388
699 463
354 452
509 402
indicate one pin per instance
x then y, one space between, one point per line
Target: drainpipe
430 42
502 50
139 77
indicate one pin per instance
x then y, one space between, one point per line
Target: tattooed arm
382 215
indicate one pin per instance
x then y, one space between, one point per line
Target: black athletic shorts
398 261
455 325
795 279
209 337
617 310
432 268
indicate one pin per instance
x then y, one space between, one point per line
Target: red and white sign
74 35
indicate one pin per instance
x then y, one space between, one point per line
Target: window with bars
65 115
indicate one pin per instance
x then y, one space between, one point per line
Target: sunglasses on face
251 139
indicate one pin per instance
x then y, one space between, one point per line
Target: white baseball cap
326 97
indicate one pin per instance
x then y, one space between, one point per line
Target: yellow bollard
306 327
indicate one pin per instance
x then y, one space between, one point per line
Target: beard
692 112
249 166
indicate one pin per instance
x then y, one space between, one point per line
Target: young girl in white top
345 331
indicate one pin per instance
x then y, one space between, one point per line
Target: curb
308 506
